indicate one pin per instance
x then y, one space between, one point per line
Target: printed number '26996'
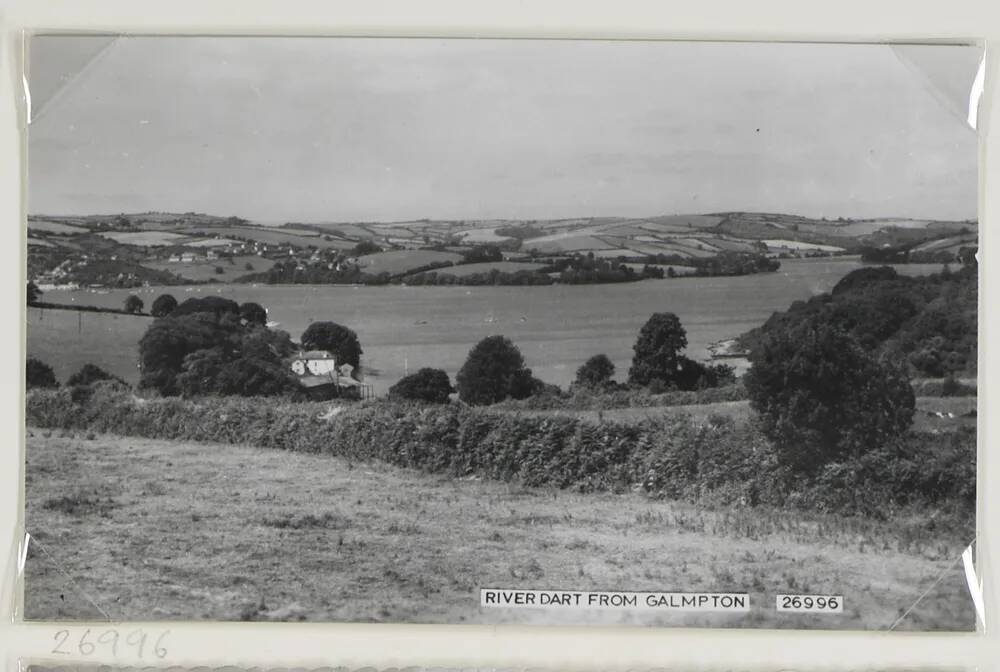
137 643
829 604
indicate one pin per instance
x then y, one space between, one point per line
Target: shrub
431 385
823 398
365 247
494 371
133 304
90 373
38 374
596 372
335 338
163 305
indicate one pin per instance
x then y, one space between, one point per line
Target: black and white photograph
501 331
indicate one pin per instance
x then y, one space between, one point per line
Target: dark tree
431 385
823 397
133 304
253 313
217 371
596 372
163 305
90 373
863 277
38 374
216 305
203 354
658 351
167 342
483 253
335 338
494 371
365 247
34 294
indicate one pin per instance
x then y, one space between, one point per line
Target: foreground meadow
133 529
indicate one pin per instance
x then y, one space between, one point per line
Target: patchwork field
142 529
204 271
404 261
57 228
278 236
145 238
487 266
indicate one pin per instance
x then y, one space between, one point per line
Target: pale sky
363 129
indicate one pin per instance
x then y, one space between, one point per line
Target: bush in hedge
91 373
494 371
430 385
38 374
597 372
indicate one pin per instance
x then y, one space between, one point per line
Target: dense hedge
675 457
581 398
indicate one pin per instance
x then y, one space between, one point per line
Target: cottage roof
315 354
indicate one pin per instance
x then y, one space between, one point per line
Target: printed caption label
570 599
814 604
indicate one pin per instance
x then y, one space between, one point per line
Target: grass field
68 339
487 266
55 227
204 271
404 261
931 412
147 530
145 238
278 236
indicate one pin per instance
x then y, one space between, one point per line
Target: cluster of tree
39 375
204 347
734 263
905 254
482 253
365 247
929 322
658 364
292 273
586 270
215 346
491 277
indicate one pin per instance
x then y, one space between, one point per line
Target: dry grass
162 530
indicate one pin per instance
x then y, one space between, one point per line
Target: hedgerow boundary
714 462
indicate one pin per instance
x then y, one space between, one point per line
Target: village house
322 379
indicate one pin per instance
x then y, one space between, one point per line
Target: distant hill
159 238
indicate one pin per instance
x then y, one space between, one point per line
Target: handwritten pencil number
61 638
109 641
